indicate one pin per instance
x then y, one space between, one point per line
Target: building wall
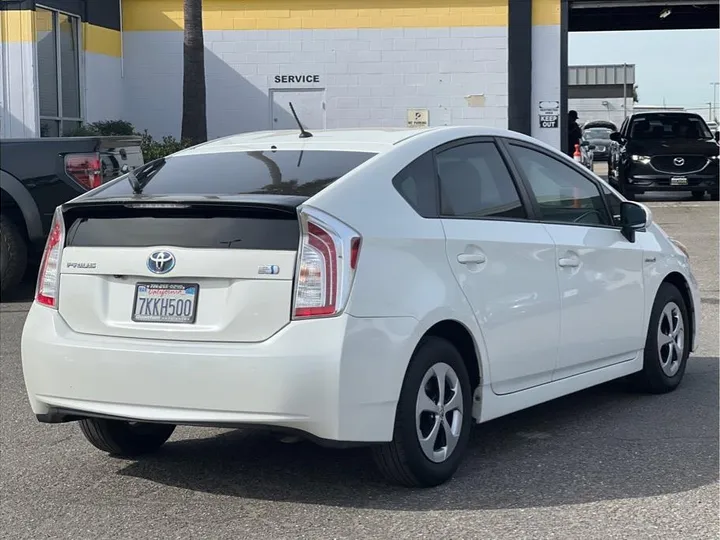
18 105
104 91
367 66
593 109
547 65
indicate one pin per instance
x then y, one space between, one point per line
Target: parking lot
603 463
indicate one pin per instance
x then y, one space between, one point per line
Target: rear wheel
698 195
433 418
714 196
121 438
13 255
667 345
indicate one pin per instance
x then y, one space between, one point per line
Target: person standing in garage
574 133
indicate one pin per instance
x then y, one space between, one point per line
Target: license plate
678 181
165 302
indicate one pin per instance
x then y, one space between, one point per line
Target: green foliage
152 149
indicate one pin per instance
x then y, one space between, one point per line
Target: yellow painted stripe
148 15
546 12
100 40
16 25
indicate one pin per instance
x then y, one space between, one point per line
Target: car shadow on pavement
604 443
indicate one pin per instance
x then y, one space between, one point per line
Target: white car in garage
379 287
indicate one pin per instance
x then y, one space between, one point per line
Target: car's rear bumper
336 379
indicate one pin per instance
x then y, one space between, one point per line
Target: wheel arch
680 282
21 198
461 337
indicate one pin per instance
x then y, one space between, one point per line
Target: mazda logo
679 162
161 262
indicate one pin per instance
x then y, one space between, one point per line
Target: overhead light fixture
665 13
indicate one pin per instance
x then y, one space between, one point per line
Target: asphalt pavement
600 464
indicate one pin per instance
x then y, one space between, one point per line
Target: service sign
549 114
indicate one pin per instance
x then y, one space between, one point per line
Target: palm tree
194 118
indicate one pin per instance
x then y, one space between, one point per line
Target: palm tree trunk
194 117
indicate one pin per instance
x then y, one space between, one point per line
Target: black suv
665 151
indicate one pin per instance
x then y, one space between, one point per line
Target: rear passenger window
416 183
475 183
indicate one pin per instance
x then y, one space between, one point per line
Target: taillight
49 276
327 261
85 169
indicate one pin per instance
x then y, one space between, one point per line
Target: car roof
372 140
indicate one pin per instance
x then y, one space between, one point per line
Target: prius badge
269 270
161 262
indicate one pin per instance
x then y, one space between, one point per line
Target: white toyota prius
379 287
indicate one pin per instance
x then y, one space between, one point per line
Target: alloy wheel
439 412
671 339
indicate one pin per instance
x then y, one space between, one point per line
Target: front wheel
667 345
121 438
433 418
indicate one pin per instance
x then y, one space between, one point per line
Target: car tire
406 460
13 255
125 439
667 345
698 195
714 196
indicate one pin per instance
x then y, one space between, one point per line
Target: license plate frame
179 288
679 181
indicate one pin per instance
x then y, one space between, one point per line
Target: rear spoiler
288 203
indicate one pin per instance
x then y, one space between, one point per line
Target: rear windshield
280 172
597 133
669 126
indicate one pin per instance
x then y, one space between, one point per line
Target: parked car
37 175
665 151
599 137
367 287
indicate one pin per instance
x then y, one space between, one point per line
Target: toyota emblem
679 162
161 262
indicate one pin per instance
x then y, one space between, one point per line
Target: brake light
327 261
85 169
49 276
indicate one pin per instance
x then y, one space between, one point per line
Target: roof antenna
304 134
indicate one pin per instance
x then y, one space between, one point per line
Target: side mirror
717 136
591 147
634 217
584 144
615 136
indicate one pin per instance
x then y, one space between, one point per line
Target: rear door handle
471 258
569 262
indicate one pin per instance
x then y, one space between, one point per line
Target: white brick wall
370 76
103 88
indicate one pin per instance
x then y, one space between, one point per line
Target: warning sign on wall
549 114
417 118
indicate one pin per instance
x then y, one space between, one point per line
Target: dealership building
342 63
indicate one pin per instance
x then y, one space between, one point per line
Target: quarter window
58 67
563 194
475 183
416 183
614 203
